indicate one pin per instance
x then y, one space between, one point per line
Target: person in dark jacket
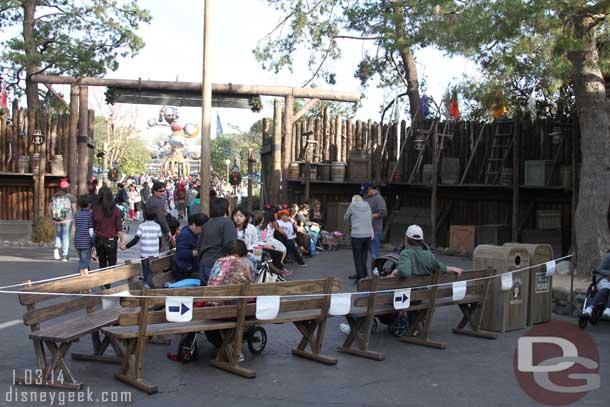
91 191
155 204
186 246
145 194
121 195
219 231
378 208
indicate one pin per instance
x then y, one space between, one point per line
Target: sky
173 50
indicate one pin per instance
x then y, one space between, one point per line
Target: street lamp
228 162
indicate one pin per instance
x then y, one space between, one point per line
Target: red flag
3 98
454 109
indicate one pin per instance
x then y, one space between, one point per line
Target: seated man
186 246
416 261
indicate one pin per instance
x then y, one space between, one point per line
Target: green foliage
43 230
72 37
135 157
231 145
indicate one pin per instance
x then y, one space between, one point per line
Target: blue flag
218 126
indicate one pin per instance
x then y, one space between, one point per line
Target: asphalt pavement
470 372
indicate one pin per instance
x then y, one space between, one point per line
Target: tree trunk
592 237
408 61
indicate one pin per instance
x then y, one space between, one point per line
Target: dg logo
556 363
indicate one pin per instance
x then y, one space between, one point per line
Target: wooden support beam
72 140
83 138
311 103
224 88
287 146
472 154
277 153
57 96
206 111
434 188
516 146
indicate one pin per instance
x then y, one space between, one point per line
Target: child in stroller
597 303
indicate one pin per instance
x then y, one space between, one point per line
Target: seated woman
303 239
233 268
317 215
287 235
266 229
186 246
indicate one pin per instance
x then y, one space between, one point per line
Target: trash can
540 301
504 310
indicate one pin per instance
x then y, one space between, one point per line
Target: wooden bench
162 269
59 333
309 315
423 303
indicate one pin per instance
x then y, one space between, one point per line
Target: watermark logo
556 363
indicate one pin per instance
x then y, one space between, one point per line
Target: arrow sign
402 298
179 309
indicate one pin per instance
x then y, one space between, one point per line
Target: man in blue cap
371 195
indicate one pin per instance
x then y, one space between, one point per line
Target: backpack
60 208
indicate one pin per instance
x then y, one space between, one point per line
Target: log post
91 137
317 156
434 188
326 135
206 111
72 139
338 141
516 146
266 164
349 139
251 162
277 152
287 147
83 153
44 128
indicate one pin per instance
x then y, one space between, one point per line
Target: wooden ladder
501 146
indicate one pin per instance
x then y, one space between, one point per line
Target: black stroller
255 336
596 315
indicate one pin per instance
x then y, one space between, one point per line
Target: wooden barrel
23 164
427 174
337 171
324 171
293 171
313 172
35 163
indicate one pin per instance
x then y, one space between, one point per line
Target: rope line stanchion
235 297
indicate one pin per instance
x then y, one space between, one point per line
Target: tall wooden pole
83 152
206 111
251 161
91 137
43 124
287 147
516 176
277 152
72 157
434 187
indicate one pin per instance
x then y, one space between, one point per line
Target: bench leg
64 378
99 347
128 372
468 310
357 331
313 335
226 359
417 333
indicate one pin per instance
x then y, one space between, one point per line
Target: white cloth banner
507 281
459 290
551 266
402 298
179 309
340 304
267 307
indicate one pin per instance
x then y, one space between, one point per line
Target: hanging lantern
37 137
556 135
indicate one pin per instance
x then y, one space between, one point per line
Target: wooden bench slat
75 328
79 283
168 328
383 309
47 313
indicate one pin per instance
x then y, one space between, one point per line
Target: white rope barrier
235 297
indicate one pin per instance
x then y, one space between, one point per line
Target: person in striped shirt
149 235
83 233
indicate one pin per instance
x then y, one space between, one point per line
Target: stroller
330 240
254 336
596 315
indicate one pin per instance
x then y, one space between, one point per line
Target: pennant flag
550 268
424 106
459 290
340 304
454 110
507 281
267 307
219 131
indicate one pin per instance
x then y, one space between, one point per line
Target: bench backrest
162 269
156 316
40 308
442 289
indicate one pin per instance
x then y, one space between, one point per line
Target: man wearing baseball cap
415 260
371 196
62 208
92 191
